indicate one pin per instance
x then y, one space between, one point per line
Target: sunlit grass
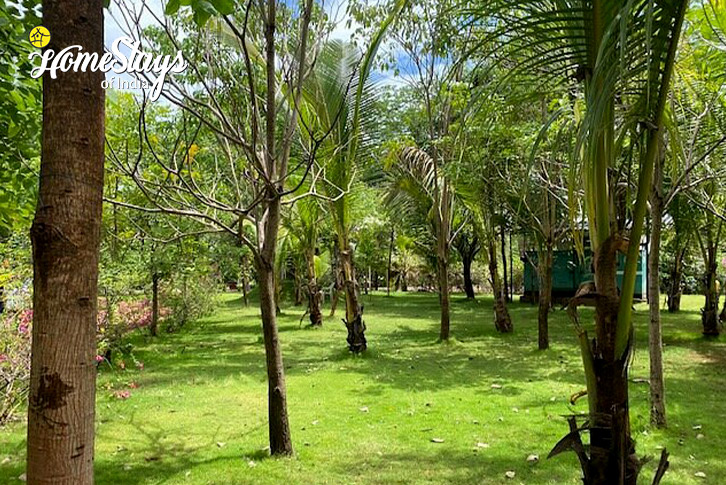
198 415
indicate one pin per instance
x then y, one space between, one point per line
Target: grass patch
198 415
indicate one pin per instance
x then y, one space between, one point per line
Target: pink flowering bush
15 331
113 324
116 321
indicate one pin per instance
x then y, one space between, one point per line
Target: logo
155 68
39 37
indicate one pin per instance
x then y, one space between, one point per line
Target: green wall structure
569 271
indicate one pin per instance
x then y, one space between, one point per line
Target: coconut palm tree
338 104
302 226
418 182
622 54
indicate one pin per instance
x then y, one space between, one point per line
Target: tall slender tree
66 238
617 50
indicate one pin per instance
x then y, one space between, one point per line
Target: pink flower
99 358
4 358
133 385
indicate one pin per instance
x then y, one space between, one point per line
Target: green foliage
20 116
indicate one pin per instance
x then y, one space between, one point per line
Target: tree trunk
709 313
502 320
337 286
337 272
468 285
655 340
505 286
353 311
675 291
279 426
298 289
545 295
277 291
65 237
388 269
315 295
511 269
154 328
443 270
244 263
245 285
367 285
612 451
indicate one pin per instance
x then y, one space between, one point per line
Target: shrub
115 322
188 297
15 331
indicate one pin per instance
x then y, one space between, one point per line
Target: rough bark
655 339
353 311
65 237
154 327
545 295
612 450
502 320
279 426
612 457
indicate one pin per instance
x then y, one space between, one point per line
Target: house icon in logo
39 36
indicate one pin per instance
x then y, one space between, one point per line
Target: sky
336 10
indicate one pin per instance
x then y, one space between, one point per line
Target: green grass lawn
198 415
